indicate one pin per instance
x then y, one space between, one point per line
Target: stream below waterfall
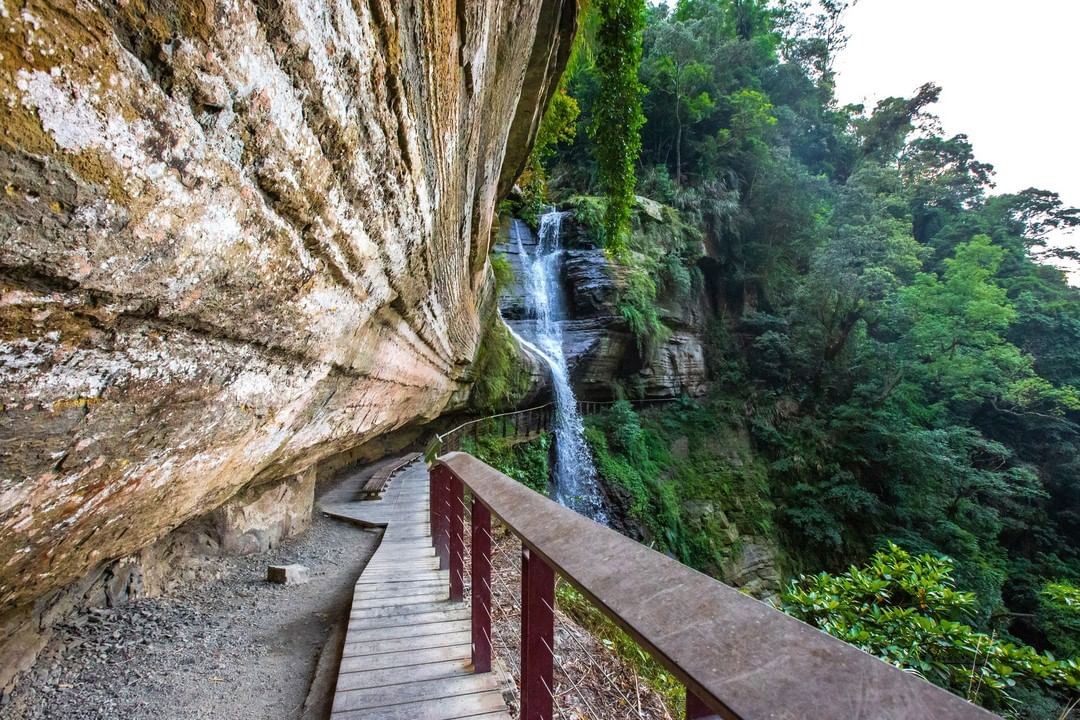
574 474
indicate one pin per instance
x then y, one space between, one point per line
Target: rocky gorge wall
236 238
600 349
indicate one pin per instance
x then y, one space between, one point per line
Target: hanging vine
617 115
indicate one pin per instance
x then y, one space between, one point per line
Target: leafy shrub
1059 616
905 610
682 504
637 306
589 212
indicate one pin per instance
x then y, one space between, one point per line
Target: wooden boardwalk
408 651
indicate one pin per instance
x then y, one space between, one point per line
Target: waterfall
574 472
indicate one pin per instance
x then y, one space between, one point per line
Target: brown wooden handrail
738 657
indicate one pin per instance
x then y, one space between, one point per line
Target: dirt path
233 648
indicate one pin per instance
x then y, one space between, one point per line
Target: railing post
695 708
481 586
439 537
456 532
537 637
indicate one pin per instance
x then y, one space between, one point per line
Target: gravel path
231 648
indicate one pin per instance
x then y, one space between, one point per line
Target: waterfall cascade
574 472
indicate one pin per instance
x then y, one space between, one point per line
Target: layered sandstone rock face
237 237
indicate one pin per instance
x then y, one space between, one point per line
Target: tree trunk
678 127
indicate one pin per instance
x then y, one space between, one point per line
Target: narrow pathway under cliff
230 647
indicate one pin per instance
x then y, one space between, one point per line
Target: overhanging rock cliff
235 238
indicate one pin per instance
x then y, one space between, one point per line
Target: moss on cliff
527 462
685 480
502 378
657 267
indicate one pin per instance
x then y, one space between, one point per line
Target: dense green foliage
905 366
617 117
906 610
527 462
1059 616
671 469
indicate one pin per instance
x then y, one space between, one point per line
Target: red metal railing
738 658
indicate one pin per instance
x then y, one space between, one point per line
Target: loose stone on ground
288 574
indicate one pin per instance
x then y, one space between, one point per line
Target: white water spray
574 473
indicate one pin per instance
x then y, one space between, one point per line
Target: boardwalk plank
451 708
446 687
406 658
395 676
408 631
391 611
420 642
408 599
382 593
413 620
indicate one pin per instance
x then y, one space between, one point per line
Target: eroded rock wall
237 237
600 349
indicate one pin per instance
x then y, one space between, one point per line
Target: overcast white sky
1008 70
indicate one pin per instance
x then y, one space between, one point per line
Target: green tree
879 324
674 67
558 126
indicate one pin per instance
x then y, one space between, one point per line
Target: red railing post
695 708
537 637
481 586
455 498
439 537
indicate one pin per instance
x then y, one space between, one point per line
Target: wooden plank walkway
408 650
